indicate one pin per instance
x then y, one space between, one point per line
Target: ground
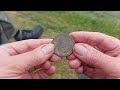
55 22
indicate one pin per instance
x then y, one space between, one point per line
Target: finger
33 58
71 57
55 58
95 39
93 57
74 64
94 73
46 65
39 75
24 46
89 72
51 70
79 70
43 74
41 70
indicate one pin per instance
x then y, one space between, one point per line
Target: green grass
55 22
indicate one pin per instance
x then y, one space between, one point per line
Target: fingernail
80 49
47 49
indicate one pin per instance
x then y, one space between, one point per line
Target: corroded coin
63 44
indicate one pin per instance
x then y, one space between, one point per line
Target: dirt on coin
63 45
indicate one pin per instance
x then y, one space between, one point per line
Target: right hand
96 55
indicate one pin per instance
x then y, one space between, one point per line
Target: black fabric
29 34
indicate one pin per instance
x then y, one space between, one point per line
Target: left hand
20 60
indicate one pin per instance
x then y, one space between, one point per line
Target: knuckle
38 57
95 57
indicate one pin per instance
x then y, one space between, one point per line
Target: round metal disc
63 45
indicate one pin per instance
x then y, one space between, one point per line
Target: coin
63 45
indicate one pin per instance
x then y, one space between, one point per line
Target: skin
28 59
96 55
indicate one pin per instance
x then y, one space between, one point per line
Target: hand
96 55
27 59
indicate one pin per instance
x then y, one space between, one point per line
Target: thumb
33 58
93 57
